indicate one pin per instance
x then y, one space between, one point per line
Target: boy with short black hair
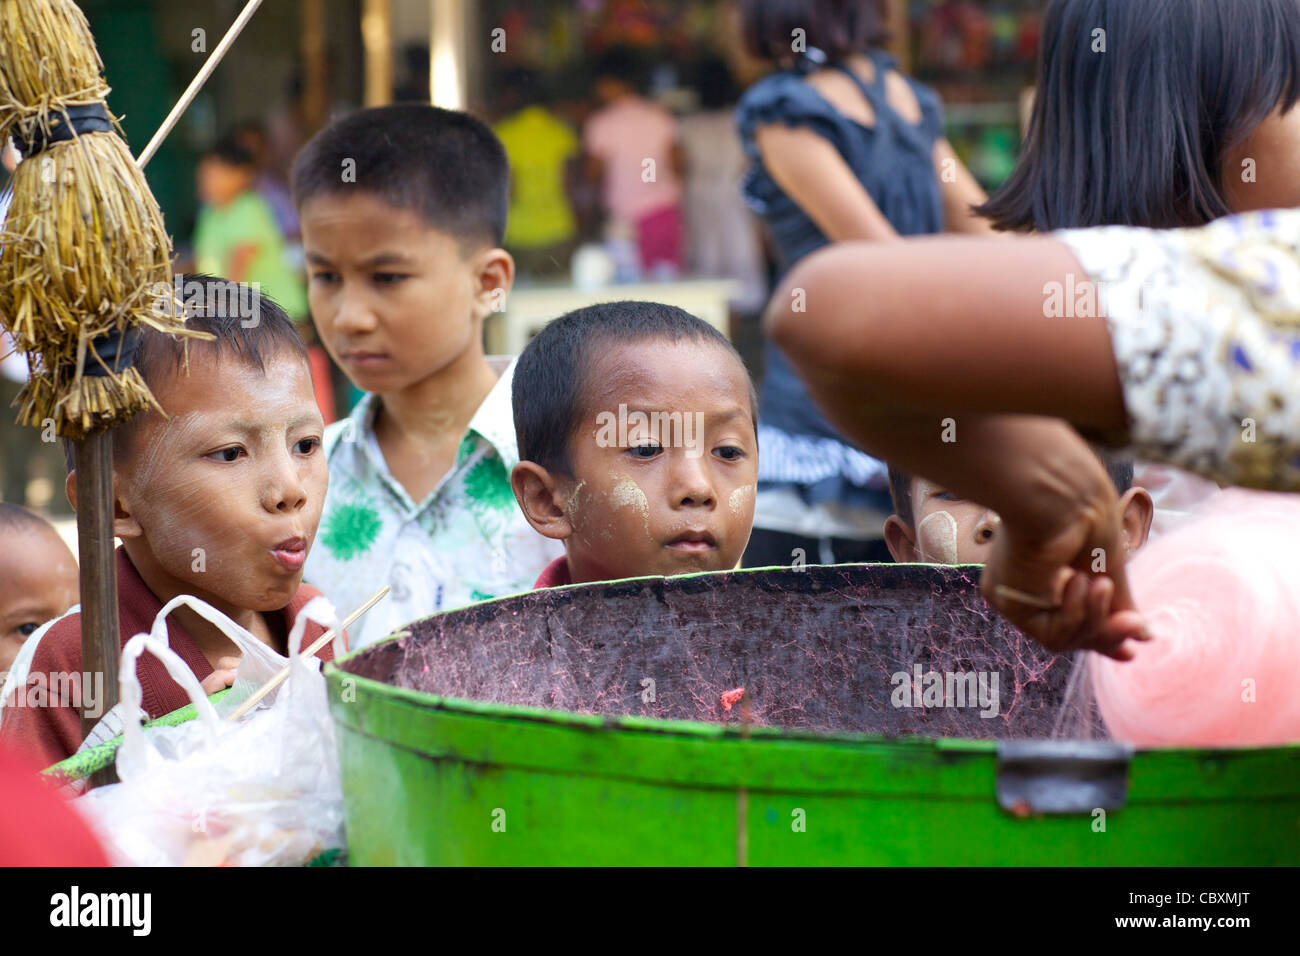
403 212
931 525
218 498
638 443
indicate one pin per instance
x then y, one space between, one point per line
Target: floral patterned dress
1205 324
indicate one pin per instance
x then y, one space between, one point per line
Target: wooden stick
101 639
1029 600
196 84
316 645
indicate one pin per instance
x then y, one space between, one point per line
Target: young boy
39 576
218 499
403 212
932 525
638 443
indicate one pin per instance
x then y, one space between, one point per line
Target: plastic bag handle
241 637
133 695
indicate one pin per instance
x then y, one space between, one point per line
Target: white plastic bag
261 792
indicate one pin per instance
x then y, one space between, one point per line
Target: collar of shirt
493 423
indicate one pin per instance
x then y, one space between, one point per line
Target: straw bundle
85 261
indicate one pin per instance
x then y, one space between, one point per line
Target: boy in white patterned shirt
403 211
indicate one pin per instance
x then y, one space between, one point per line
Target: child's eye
27 630
307 446
729 453
644 452
949 496
324 277
389 278
226 454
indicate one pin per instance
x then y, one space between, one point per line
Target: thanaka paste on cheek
936 538
739 499
627 493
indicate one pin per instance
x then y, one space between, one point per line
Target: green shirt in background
247 220
538 145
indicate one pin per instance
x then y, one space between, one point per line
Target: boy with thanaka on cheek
219 498
932 525
403 212
638 444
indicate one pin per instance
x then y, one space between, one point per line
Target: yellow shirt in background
538 144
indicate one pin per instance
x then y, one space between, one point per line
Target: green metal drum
605 724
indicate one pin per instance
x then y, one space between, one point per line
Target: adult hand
1066 586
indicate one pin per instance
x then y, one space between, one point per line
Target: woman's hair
1139 102
838 28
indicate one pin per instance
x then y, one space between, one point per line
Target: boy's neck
438 409
209 638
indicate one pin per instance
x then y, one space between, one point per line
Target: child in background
237 236
932 525
405 262
1217 134
218 499
541 148
637 442
39 575
631 148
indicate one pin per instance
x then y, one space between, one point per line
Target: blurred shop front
300 62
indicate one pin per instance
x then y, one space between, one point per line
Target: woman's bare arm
960 191
813 174
949 325
936 355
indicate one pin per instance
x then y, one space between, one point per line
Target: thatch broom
85 264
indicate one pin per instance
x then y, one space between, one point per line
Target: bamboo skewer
200 78
1029 600
316 645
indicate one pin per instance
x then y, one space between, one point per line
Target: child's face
950 530
222 498
220 182
394 300
953 530
40 583
670 499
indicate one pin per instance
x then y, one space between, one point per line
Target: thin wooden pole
101 639
196 84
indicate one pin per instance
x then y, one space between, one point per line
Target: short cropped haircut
1137 135
900 486
553 373
17 518
839 28
248 326
445 165
230 152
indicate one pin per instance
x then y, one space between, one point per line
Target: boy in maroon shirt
638 447
219 499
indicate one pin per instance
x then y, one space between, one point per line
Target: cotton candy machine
858 714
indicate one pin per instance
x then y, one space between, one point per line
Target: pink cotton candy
1221 594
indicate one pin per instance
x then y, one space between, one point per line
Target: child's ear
542 500
1136 509
495 271
900 539
124 524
